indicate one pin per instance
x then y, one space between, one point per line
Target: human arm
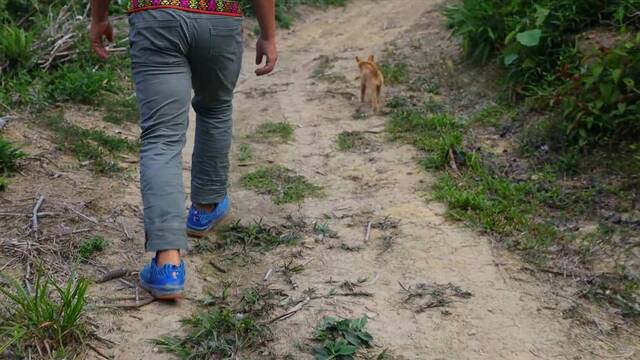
100 27
266 45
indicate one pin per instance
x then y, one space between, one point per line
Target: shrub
9 156
15 44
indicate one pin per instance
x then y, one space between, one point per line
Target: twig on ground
98 351
217 267
289 312
367 233
34 217
453 165
137 305
124 229
267 274
90 219
111 275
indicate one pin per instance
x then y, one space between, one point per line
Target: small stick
115 274
124 229
266 276
98 351
137 294
217 267
452 164
289 312
34 218
368 232
82 215
138 305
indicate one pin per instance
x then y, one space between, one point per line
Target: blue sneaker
200 222
164 283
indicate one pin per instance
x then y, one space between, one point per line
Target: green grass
282 184
94 146
286 10
92 245
9 156
120 110
395 73
51 319
341 339
433 134
216 333
281 132
493 115
244 153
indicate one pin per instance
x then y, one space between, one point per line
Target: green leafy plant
217 333
91 246
395 73
51 318
341 339
244 153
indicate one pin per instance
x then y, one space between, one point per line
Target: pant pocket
155 41
225 40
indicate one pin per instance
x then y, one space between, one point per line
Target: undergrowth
286 10
341 339
281 132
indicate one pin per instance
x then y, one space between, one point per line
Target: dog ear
358 59
370 58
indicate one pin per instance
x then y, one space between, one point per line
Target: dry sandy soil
511 315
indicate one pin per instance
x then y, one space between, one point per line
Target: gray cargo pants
173 51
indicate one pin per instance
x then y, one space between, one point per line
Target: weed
438 295
341 339
121 110
281 183
244 153
323 231
89 145
268 132
4 183
395 73
286 11
37 320
216 333
9 156
255 236
90 246
15 44
81 84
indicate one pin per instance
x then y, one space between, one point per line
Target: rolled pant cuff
166 238
211 198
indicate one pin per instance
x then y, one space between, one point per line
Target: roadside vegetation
561 192
287 10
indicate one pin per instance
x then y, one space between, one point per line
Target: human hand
97 31
266 48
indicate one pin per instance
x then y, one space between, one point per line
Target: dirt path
504 319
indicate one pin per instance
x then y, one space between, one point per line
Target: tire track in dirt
504 319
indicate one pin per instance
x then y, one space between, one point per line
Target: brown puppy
371 82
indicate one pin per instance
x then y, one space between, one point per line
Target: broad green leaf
541 15
510 58
529 38
616 75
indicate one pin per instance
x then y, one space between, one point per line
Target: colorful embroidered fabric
215 7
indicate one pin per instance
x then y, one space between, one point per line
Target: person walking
178 46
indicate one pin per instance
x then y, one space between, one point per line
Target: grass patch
120 110
281 132
493 115
94 146
341 339
436 135
286 10
90 246
216 333
255 236
50 320
282 184
395 73
244 153
352 141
